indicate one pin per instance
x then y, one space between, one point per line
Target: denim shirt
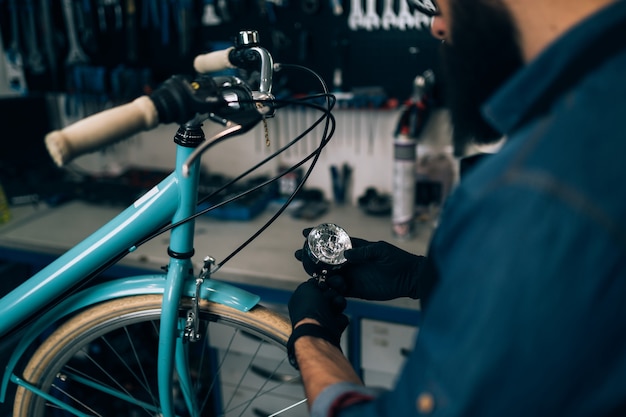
528 317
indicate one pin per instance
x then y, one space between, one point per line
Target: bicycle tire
121 335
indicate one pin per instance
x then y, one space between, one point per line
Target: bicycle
158 344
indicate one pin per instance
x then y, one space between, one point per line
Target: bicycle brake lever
218 98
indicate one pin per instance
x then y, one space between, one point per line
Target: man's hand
316 312
375 271
322 305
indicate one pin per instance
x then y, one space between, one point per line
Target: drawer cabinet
384 347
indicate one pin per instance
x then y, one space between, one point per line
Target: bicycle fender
211 290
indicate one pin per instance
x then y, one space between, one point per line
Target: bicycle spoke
145 384
104 362
124 362
243 376
279 412
76 400
101 387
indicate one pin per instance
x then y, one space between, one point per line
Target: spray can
403 195
408 130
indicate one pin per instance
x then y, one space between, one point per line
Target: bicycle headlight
323 249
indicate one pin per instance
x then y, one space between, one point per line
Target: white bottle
403 195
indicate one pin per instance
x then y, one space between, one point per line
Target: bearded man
523 285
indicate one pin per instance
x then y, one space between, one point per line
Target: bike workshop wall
93 54
372 48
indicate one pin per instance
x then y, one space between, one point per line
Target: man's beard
482 53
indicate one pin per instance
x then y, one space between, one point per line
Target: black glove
376 271
326 306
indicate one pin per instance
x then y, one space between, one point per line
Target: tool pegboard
367 54
121 48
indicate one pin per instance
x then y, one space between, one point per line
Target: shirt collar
528 87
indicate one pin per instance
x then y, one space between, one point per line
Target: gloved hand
375 271
325 306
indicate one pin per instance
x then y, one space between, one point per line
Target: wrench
355 20
15 67
405 18
389 19
421 20
131 31
371 19
35 58
48 34
336 7
209 17
184 17
222 6
76 55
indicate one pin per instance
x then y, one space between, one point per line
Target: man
524 287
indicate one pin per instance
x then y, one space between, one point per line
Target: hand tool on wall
421 20
35 57
336 7
222 6
355 19
340 182
405 17
48 35
132 53
183 24
75 55
304 44
15 64
209 16
371 20
340 45
389 19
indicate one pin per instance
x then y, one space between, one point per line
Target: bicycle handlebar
243 57
226 99
102 129
214 61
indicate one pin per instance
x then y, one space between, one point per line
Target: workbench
36 235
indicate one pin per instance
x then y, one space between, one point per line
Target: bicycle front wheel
103 362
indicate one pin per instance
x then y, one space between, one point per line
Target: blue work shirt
528 317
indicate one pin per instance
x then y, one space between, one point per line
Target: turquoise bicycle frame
172 200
